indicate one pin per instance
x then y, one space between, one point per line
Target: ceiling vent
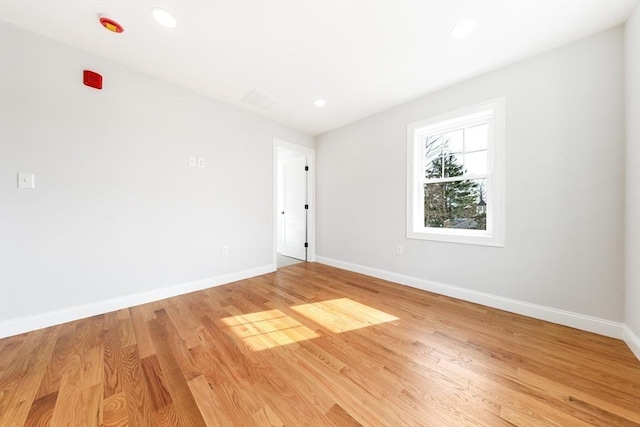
259 99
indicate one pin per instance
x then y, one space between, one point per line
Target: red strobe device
92 79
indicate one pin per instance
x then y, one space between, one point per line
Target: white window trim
416 134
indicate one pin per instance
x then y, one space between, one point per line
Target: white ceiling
360 56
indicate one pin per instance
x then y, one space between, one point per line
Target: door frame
310 154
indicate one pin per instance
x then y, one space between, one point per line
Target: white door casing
283 150
292 209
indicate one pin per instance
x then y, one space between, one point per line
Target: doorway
294 237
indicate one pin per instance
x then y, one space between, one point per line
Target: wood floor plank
185 407
24 375
561 390
127 333
166 417
177 346
114 411
55 369
159 396
90 404
143 339
113 382
41 411
9 347
265 417
318 346
68 410
208 403
237 403
135 387
340 417
209 364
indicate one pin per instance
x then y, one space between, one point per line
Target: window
455 176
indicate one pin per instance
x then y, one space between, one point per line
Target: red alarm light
111 25
92 79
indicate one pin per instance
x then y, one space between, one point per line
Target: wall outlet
399 250
225 250
201 162
193 161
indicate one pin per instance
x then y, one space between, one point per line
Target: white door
292 214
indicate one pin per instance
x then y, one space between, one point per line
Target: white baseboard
632 341
30 323
550 314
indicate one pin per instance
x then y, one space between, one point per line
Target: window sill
457 236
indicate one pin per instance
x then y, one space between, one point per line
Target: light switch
26 180
192 162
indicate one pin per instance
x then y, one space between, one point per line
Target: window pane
459 204
476 163
454 141
433 156
475 138
453 165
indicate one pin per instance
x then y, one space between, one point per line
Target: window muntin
455 170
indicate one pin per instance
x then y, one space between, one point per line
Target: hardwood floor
314 345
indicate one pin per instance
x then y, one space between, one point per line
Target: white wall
632 92
564 185
116 210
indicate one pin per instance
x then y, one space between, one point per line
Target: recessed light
463 29
319 103
163 18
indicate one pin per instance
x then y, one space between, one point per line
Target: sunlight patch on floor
272 328
267 329
343 314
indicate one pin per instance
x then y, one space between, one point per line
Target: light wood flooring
318 346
